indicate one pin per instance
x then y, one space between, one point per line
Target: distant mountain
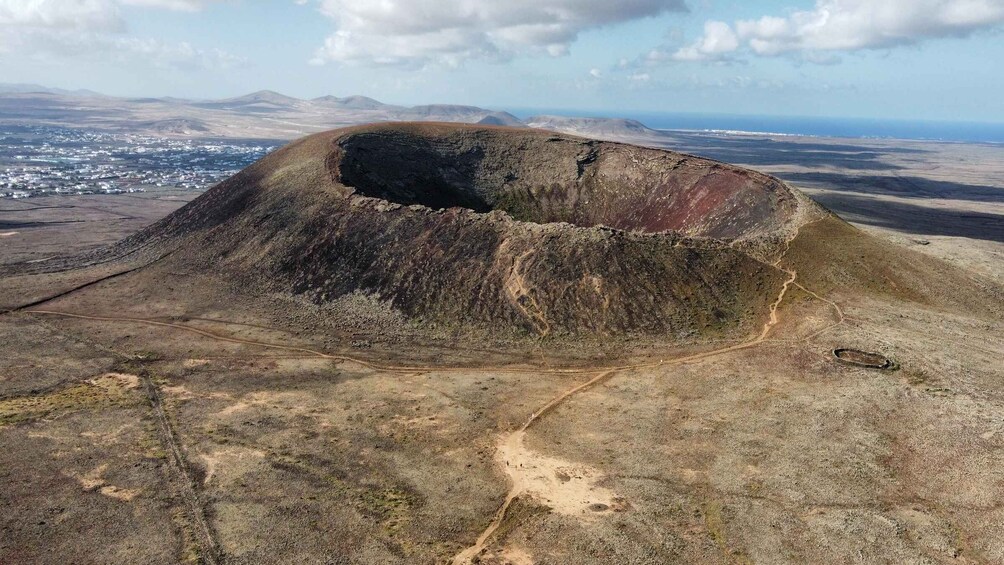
149 100
264 114
501 119
445 110
263 96
599 127
458 113
352 102
21 88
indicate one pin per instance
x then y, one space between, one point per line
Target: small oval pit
866 359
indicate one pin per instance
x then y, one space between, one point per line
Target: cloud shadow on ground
914 219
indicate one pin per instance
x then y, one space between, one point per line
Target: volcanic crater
552 178
505 231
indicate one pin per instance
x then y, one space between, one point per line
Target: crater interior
546 179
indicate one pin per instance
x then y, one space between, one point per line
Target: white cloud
595 73
173 55
449 47
96 15
835 26
717 42
419 32
73 29
179 5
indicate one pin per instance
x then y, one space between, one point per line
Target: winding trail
841 317
521 297
516 454
770 323
772 320
512 444
312 352
88 284
519 462
411 368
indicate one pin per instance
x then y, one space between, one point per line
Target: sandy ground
184 426
772 453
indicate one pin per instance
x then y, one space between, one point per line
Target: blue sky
913 59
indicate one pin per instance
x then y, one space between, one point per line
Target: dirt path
566 487
87 284
210 553
518 463
771 322
537 475
416 368
312 352
841 317
521 297
772 319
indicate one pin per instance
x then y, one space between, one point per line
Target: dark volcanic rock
498 230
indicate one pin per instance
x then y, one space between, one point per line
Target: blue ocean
972 132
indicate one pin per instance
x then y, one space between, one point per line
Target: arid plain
158 414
